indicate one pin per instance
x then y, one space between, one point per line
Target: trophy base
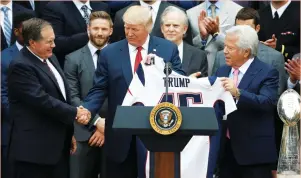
288 174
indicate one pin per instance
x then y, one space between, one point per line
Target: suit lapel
43 67
250 74
126 62
186 56
160 11
88 58
152 45
77 15
225 71
224 13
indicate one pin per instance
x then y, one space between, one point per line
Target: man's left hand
271 42
229 85
195 75
212 25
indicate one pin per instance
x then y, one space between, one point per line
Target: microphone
167 71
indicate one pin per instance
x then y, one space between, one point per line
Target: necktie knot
97 52
150 8
5 9
139 48
84 8
276 16
236 72
45 61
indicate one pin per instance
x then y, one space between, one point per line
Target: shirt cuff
291 85
96 121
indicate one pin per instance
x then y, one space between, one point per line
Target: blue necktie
7 25
138 67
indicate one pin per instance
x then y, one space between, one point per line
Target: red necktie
138 58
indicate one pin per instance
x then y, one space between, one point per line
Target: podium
165 150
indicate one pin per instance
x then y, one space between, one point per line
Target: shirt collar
180 46
93 49
280 10
9 5
218 4
35 54
79 4
155 6
144 46
19 46
243 69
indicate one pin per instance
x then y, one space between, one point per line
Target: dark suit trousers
86 162
126 169
32 170
229 168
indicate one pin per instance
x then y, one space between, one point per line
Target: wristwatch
215 34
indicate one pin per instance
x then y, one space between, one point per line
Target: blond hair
138 15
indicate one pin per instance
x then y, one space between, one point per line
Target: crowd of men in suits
66 66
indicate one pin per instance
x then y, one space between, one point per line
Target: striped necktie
7 25
84 8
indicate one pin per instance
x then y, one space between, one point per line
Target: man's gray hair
170 9
32 29
247 38
139 15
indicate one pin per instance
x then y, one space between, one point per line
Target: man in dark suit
249 16
42 119
157 7
280 27
116 65
69 20
7 56
250 140
79 70
34 5
174 25
8 10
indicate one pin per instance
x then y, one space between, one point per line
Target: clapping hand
293 67
83 116
271 42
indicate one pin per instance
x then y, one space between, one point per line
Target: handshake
83 115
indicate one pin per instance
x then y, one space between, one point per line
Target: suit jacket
69 25
79 70
16 10
194 60
112 79
39 5
7 56
251 126
288 22
42 119
118 30
226 15
267 55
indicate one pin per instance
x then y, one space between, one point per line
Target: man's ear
257 28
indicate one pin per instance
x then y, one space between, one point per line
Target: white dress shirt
56 74
19 46
93 50
32 4
280 10
10 14
79 5
242 70
180 48
133 52
154 10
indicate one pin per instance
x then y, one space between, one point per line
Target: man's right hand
83 116
202 26
100 125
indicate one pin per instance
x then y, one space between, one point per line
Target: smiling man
174 25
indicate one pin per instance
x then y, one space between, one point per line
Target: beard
99 41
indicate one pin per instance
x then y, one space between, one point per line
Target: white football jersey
182 91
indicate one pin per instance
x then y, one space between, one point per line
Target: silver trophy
289 157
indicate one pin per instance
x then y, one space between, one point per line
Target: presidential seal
165 118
